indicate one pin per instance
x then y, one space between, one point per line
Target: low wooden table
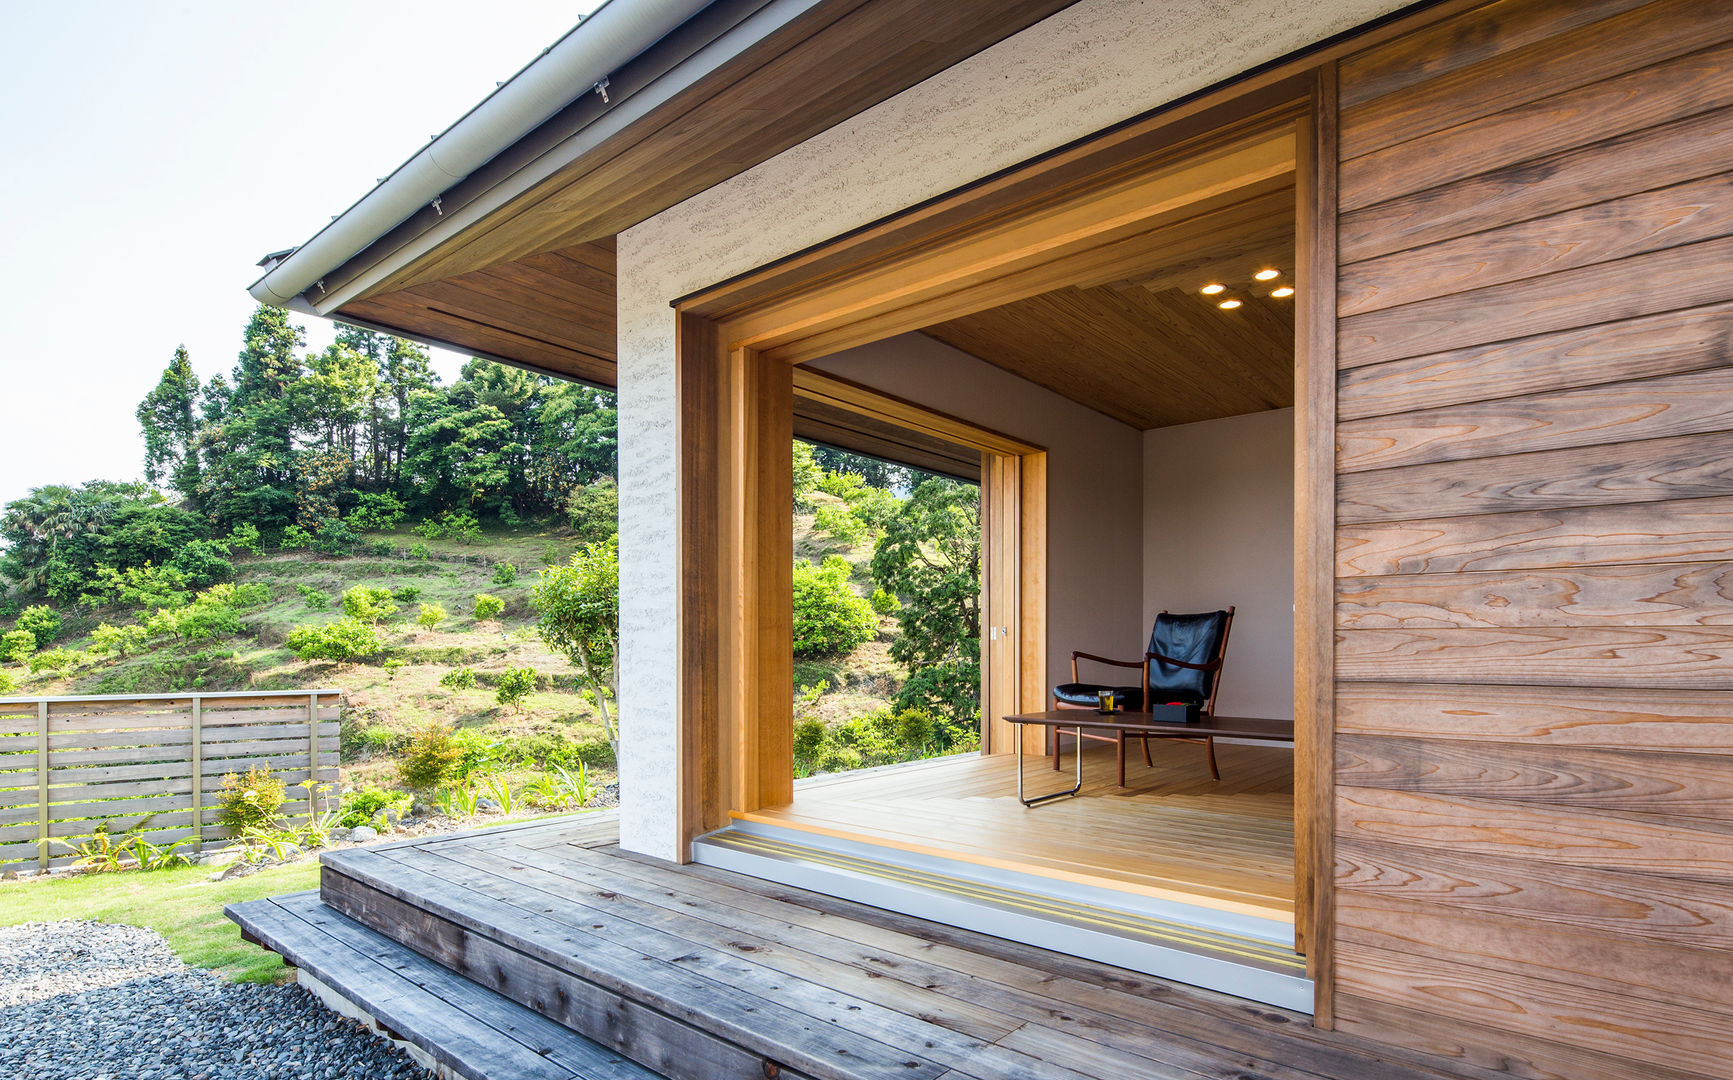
1227 727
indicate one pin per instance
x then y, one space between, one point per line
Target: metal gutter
722 32
578 64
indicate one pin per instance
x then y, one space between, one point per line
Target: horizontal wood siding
1534 557
122 759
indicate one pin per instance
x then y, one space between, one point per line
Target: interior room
1164 400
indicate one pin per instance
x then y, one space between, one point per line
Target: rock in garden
361 834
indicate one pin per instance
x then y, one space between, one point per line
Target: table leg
1039 799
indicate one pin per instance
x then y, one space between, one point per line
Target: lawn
182 904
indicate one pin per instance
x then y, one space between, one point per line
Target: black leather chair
1183 664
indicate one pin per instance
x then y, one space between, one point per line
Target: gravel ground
88 1001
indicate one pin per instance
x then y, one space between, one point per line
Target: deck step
461 1028
1243 955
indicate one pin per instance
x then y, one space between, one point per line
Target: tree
515 684
930 557
247 444
580 617
169 417
829 617
342 640
42 622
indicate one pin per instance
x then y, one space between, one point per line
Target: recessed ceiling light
1285 290
1212 288
1228 305
1266 275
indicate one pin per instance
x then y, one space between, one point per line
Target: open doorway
1143 335
887 611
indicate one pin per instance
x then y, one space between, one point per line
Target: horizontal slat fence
69 763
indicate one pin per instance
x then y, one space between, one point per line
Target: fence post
42 856
198 774
312 751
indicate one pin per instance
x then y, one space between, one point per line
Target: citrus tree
579 605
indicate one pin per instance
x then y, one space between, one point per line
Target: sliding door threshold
1237 954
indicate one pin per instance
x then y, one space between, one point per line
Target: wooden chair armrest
1211 666
1076 656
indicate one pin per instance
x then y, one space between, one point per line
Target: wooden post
198 774
312 750
42 856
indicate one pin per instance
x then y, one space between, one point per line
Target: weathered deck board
480 1035
651 958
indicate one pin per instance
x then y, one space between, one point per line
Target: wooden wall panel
1534 542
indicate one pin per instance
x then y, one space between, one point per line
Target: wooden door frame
1050 223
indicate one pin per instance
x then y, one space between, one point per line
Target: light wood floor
1172 833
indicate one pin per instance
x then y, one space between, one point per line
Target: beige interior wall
1218 529
1094 483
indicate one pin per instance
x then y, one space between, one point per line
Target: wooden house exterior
1513 465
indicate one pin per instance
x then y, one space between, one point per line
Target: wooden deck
700 973
1171 832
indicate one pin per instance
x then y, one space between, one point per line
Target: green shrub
458 525
7 682
488 607
845 486
807 474
430 616
201 621
420 551
368 604
550 553
42 621
315 599
514 686
475 751
406 594
17 645
245 537
593 511
203 562
342 640
249 800
295 538
810 737
241 596
108 640
363 807
379 549
829 617
458 679
144 587
55 660
504 574
915 729
431 758
885 603
377 512
392 667
841 524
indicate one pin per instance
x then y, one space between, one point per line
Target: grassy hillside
866 679
397 692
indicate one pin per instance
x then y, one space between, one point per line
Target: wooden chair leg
1147 760
1121 741
1210 752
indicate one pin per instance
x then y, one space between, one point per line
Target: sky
151 153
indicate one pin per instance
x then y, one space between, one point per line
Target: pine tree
169 417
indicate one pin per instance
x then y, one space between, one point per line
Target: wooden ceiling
554 311
1148 349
